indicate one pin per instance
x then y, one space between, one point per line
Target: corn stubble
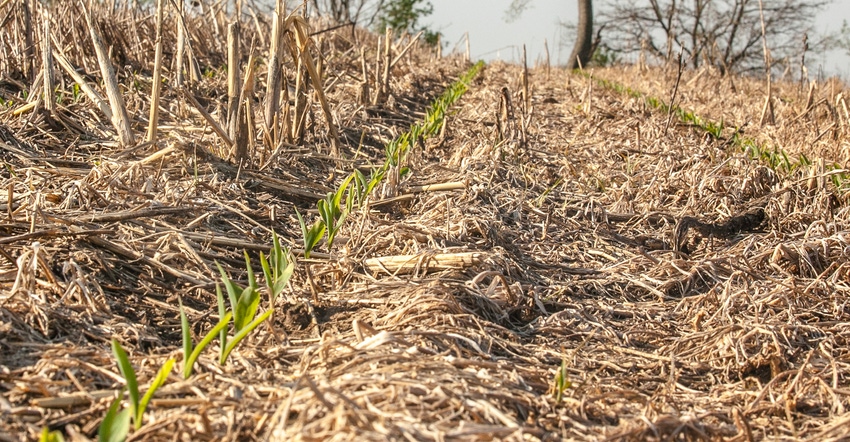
454 251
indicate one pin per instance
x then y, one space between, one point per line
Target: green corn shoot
190 352
277 268
562 383
50 436
116 423
244 302
138 405
312 235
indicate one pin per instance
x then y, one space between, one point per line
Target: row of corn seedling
773 156
242 317
357 186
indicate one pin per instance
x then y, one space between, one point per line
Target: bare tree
584 44
583 48
723 33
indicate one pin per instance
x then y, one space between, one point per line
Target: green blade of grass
128 372
252 281
115 425
222 311
233 290
267 271
186 330
242 334
160 378
50 436
246 308
187 368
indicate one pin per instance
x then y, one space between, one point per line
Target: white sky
491 37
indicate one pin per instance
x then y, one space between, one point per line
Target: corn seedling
244 302
330 210
192 352
138 405
310 235
562 383
540 199
391 150
228 344
839 179
375 178
50 436
775 157
116 424
361 188
277 268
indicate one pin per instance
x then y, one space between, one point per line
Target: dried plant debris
557 268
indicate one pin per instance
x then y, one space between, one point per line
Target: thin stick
232 78
157 74
526 99
181 47
672 105
29 56
90 92
47 62
120 119
468 53
767 115
385 78
406 48
300 92
274 73
365 94
214 124
243 115
303 37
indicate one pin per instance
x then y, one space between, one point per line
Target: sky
491 37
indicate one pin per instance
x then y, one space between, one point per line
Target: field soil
682 284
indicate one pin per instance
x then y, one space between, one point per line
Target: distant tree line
726 34
400 15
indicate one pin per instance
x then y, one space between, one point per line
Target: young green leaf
344 186
128 372
326 211
241 334
160 379
312 235
360 184
251 279
277 268
562 382
280 282
245 308
233 290
115 425
186 330
50 436
187 367
375 179
222 311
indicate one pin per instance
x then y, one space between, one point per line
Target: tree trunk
584 35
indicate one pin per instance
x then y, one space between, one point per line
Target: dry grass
590 239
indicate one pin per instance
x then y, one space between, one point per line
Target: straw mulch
688 291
